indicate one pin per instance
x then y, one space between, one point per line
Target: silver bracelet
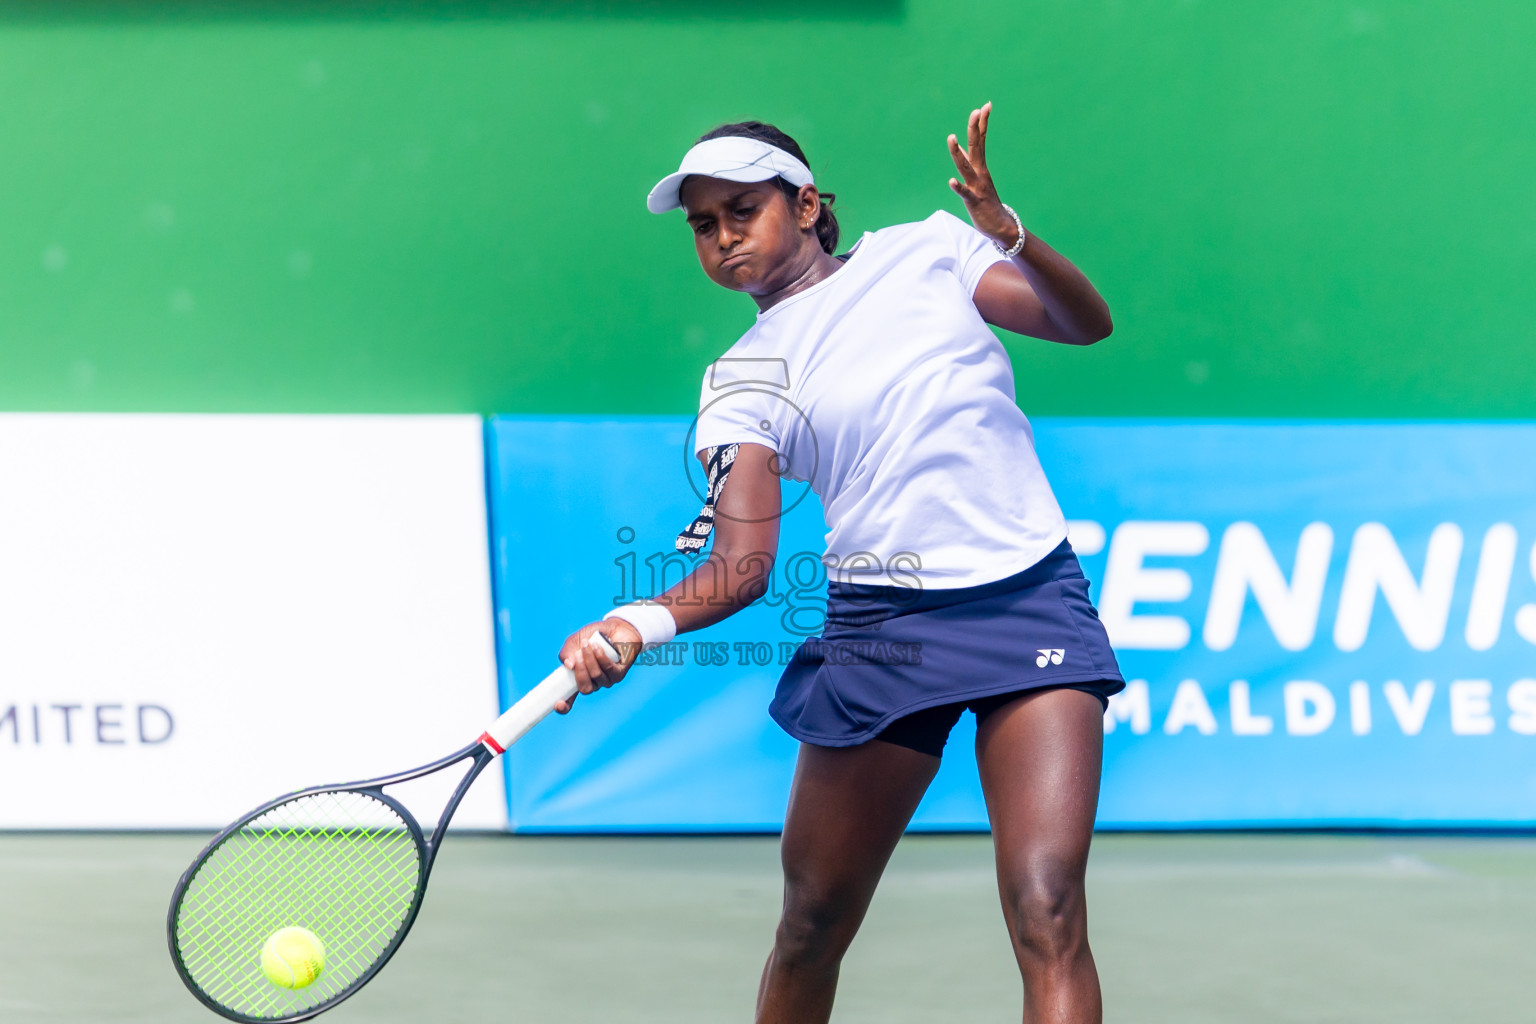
1019 245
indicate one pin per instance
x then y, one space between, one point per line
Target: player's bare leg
1040 757
848 808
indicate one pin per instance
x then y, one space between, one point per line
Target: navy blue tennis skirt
886 652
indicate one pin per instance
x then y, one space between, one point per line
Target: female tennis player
873 375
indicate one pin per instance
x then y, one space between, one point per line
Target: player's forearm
722 585
1074 305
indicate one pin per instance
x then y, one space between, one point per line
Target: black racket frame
426 846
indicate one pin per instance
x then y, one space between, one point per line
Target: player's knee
816 927
1048 917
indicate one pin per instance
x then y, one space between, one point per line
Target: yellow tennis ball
292 957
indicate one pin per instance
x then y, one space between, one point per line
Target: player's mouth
733 259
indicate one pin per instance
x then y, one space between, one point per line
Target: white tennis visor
734 159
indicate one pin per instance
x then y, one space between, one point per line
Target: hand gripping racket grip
528 712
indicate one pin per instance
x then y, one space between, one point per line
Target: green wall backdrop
1294 208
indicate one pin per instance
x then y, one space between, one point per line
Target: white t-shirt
883 387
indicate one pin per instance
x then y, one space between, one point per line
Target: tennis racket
347 862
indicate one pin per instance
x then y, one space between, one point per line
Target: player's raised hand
592 667
974 185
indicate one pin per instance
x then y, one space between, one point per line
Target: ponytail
827 231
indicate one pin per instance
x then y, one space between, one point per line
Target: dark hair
827 231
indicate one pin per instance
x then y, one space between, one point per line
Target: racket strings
347 957
344 864
254 986
309 896
256 884
303 894
343 872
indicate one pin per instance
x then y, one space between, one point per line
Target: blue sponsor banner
1323 624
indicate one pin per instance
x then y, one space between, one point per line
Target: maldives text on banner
1323 624
198 613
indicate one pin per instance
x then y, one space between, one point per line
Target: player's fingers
628 650
964 191
564 707
577 663
573 645
976 143
624 639
962 162
979 147
601 670
586 670
607 669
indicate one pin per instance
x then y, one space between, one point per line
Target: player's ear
809 207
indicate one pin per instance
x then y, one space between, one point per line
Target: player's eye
702 226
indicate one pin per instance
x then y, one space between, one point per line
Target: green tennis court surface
1186 928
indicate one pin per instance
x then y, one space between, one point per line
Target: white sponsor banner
201 612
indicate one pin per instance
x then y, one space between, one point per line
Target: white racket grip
538 702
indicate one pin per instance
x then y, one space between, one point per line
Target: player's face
747 236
